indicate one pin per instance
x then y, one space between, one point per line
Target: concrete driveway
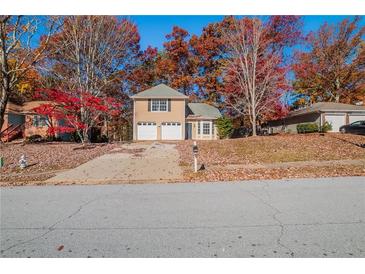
289 218
131 163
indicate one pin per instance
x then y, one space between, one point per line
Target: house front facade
336 114
21 121
162 113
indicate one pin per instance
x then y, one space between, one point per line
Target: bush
224 127
326 127
307 128
36 138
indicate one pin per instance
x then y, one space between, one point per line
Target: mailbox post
195 153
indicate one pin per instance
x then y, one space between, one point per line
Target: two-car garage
339 119
168 131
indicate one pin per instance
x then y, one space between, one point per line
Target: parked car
357 127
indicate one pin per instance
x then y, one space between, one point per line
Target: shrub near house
313 127
224 127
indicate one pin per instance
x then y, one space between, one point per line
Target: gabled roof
201 110
160 91
326 107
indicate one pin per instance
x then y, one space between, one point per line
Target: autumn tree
143 75
63 112
209 53
174 64
333 69
255 67
90 55
18 57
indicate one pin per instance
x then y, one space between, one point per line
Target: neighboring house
162 113
336 114
20 121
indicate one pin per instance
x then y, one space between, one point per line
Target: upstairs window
158 105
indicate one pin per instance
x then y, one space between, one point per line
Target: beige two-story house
162 113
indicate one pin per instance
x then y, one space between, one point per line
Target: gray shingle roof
327 106
160 91
204 110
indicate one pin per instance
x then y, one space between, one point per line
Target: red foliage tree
64 111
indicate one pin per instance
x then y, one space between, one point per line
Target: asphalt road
290 218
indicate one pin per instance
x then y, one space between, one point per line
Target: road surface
288 218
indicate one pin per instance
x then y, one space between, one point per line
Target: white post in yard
195 153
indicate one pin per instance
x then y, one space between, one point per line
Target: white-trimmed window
206 128
39 121
159 105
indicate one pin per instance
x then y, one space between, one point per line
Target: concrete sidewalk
155 162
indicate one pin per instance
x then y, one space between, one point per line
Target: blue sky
153 29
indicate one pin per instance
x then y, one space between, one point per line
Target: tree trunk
4 96
337 95
5 85
85 135
3 102
254 133
337 98
253 117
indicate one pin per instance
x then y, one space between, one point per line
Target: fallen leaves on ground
273 149
46 158
223 174
217 155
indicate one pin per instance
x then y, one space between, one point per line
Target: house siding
290 123
141 114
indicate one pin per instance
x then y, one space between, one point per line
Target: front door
189 131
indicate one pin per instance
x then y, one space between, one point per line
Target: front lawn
219 156
44 159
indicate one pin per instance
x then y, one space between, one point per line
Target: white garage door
336 121
171 131
354 118
146 131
